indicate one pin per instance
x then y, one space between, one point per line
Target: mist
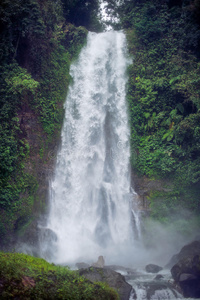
159 241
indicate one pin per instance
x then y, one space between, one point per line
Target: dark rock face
186 272
112 278
188 250
151 268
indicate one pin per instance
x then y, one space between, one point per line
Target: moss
26 277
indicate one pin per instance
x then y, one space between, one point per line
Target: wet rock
163 290
186 274
112 278
159 277
128 273
151 268
187 251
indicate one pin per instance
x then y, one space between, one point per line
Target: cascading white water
91 211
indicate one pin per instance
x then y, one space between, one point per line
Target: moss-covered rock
112 278
26 277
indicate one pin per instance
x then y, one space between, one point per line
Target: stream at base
151 286
146 286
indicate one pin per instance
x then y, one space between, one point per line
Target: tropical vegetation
164 98
26 277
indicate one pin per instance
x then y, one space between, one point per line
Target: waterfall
91 203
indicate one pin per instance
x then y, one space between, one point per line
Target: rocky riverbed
179 279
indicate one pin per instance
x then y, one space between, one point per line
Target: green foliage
16 85
54 76
36 49
164 89
26 277
19 81
72 38
16 203
164 100
53 87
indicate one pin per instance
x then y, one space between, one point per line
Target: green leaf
146 115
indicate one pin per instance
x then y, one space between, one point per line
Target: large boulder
151 268
112 278
186 272
188 250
